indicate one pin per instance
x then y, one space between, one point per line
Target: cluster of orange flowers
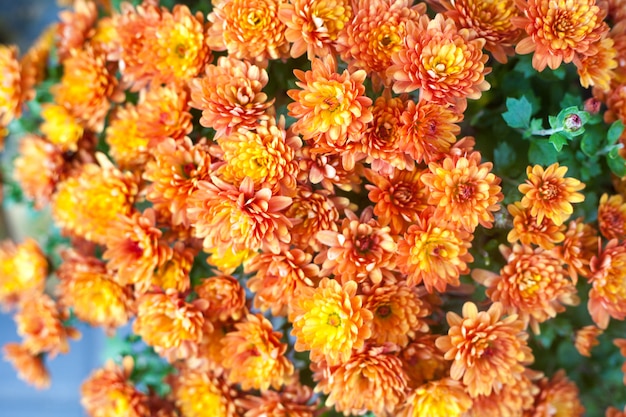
201 163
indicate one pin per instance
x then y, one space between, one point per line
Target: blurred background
20 24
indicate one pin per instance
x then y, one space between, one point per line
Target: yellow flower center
529 284
334 320
444 59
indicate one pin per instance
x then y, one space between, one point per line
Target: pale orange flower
88 202
30 367
23 271
533 284
92 292
399 197
612 217
60 127
372 379
513 400
579 246
545 234
109 392
549 194
265 153
607 297
313 26
293 401
434 252
423 362
614 412
447 64
428 130
174 172
328 170
128 146
166 320
374 33
442 398
75 27
277 278
230 95
361 249
557 31
248 29
331 108
486 349
11 85
399 313
586 338
225 296
239 218
596 67
615 101
164 113
199 393
464 191
40 324
86 87
330 321
254 356
558 396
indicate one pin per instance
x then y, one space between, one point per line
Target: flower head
549 194
442 398
75 27
515 399
248 29
10 87
293 401
612 217
558 30
330 321
200 393
607 297
60 127
586 338
578 248
30 367
226 298
254 356
596 67
557 395
487 350
23 271
526 229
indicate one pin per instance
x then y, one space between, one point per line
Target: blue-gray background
20 23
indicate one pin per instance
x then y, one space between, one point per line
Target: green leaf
558 140
504 155
542 152
571 100
591 142
518 113
617 165
615 131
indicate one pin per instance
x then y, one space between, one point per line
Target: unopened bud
572 122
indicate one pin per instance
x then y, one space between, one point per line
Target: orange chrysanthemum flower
372 379
596 67
199 393
330 321
226 298
75 27
486 350
579 246
612 217
607 297
128 146
328 170
398 313
173 272
134 249
60 127
164 111
108 392
11 85
30 367
266 154
227 217
614 412
423 362
331 109
249 30
293 401
89 202
549 194
526 229
442 398
313 26
166 320
533 284
278 278
428 130
586 338
92 293
86 87
230 95
557 31
23 271
434 252
360 250
399 198
490 21
175 171
464 191
40 323
447 64
34 63
557 396
374 33
227 261
254 356
513 400
312 211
